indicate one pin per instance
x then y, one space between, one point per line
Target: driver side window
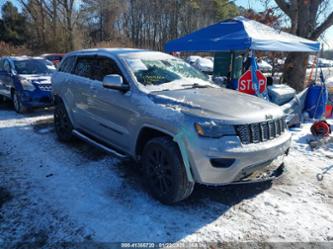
105 66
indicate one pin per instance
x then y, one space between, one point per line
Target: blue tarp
241 33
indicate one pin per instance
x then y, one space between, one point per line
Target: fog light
222 162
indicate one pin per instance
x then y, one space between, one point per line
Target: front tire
18 106
62 123
164 171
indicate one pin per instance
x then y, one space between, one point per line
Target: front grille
47 87
260 132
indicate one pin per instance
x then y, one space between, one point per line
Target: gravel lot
52 192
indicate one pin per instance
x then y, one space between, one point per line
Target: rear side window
67 65
1 65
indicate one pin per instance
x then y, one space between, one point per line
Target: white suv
166 114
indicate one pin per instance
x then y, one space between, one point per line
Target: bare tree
67 9
57 24
304 16
47 17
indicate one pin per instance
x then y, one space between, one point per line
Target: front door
112 109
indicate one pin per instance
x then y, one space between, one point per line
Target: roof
241 33
114 51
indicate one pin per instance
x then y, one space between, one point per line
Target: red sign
245 84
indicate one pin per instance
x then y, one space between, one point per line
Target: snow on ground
52 192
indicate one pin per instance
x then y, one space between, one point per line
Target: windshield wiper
196 85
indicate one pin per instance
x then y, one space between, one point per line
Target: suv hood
37 78
218 103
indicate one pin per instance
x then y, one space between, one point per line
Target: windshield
33 66
156 72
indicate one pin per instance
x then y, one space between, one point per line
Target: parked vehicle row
166 115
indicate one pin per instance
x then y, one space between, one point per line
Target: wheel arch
147 133
58 100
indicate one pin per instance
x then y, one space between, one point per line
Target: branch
47 8
29 9
284 6
291 10
322 27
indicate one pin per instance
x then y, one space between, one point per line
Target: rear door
81 87
63 83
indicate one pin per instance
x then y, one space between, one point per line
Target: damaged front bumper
268 171
226 161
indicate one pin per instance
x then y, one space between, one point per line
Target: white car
204 65
264 66
192 59
210 58
322 62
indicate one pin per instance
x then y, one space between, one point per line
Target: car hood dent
222 104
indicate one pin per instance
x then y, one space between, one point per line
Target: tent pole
254 68
315 78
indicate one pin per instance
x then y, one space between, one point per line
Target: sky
327 39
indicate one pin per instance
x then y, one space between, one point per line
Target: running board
99 145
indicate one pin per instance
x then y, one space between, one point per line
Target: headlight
214 129
27 85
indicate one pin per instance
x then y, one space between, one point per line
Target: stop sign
245 84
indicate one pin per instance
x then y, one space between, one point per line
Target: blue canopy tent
240 33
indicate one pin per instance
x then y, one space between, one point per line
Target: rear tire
18 106
62 123
164 171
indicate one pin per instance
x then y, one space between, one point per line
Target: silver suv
168 116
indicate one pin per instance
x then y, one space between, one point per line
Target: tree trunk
304 16
295 70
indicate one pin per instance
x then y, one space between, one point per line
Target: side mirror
115 82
